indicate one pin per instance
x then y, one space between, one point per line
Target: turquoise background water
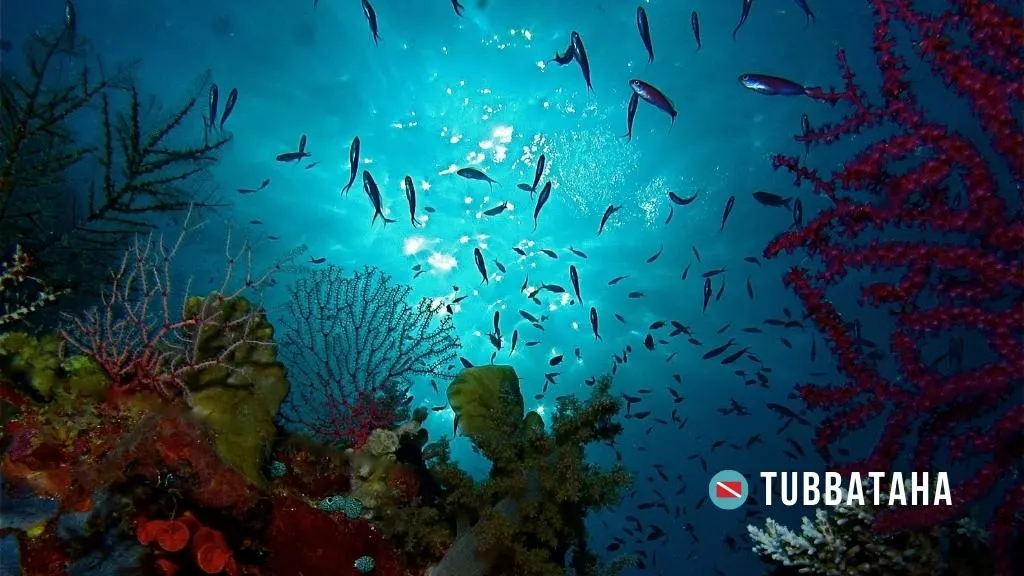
442 92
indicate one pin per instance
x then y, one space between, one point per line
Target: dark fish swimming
373 193
802 4
743 17
580 54
211 114
481 266
353 164
676 199
542 199
297 155
611 209
772 85
410 196
371 19
805 132
594 324
695 27
538 172
707 294
496 210
654 97
566 57
643 25
771 199
229 107
574 278
634 101
474 174
728 210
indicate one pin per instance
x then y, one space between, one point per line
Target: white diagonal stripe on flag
723 486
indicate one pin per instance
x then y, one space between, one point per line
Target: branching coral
353 345
841 541
139 166
530 512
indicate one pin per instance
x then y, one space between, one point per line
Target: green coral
531 510
239 384
35 364
842 541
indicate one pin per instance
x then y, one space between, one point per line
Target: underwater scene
491 288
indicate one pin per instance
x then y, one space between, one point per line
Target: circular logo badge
728 490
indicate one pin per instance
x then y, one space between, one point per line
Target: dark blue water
441 93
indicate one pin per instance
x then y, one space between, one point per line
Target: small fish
497 323
752 260
802 4
771 199
211 117
496 210
676 199
655 256
772 85
538 172
474 174
574 278
555 360
649 342
654 97
566 57
714 352
481 266
410 195
353 164
713 273
671 212
229 107
578 252
617 279
371 19
805 133
580 54
457 7
515 340
634 101
501 267
728 210
686 272
635 294
297 155
707 294
798 214
695 27
743 17
611 209
373 193
262 186
317 260
644 27
696 254
312 165
594 324
750 289
542 199
549 253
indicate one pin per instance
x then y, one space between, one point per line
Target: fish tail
387 220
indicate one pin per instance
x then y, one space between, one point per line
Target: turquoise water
441 93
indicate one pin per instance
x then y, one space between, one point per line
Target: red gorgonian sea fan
931 217
354 345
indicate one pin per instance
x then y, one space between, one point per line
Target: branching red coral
957 263
140 338
353 345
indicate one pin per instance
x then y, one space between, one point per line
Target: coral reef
956 269
352 345
529 514
841 541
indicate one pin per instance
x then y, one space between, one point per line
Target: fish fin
387 220
525 187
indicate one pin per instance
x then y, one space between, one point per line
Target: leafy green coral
530 512
238 384
36 366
